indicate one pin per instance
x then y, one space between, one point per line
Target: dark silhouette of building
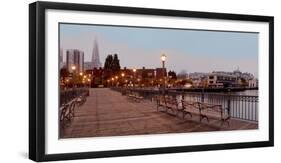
160 72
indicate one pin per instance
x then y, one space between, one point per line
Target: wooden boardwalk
108 113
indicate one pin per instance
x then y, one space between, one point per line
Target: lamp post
73 68
67 81
116 77
108 82
122 82
134 70
163 58
89 81
81 78
112 79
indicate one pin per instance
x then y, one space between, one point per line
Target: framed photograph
110 81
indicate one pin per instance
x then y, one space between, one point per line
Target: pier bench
217 112
135 97
82 99
171 104
67 112
190 108
160 102
205 111
167 103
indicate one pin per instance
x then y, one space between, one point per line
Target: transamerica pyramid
95 56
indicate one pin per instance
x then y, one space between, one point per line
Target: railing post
228 103
202 95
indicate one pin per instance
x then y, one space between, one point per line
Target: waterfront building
247 76
253 83
160 72
145 73
197 75
199 79
217 79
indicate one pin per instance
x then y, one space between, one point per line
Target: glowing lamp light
163 57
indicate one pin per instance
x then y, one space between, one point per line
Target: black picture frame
37 80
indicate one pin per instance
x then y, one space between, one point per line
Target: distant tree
172 75
115 64
108 62
64 73
111 66
182 74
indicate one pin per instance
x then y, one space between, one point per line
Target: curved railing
239 106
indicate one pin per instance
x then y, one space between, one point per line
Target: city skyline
189 50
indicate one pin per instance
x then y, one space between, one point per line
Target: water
247 93
242 105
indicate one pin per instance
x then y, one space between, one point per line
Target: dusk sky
189 50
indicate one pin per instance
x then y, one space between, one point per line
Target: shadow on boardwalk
108 113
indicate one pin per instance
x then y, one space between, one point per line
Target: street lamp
122 75
67 81
73 68
116 77
134 70
89 80
112 79
163 58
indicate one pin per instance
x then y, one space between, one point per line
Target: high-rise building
61 58
95 56
75 57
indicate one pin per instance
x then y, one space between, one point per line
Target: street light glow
122 74
163 57
134 70
73 67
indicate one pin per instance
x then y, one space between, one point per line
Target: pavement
108 113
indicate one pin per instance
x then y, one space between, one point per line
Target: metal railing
68 95
238 106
